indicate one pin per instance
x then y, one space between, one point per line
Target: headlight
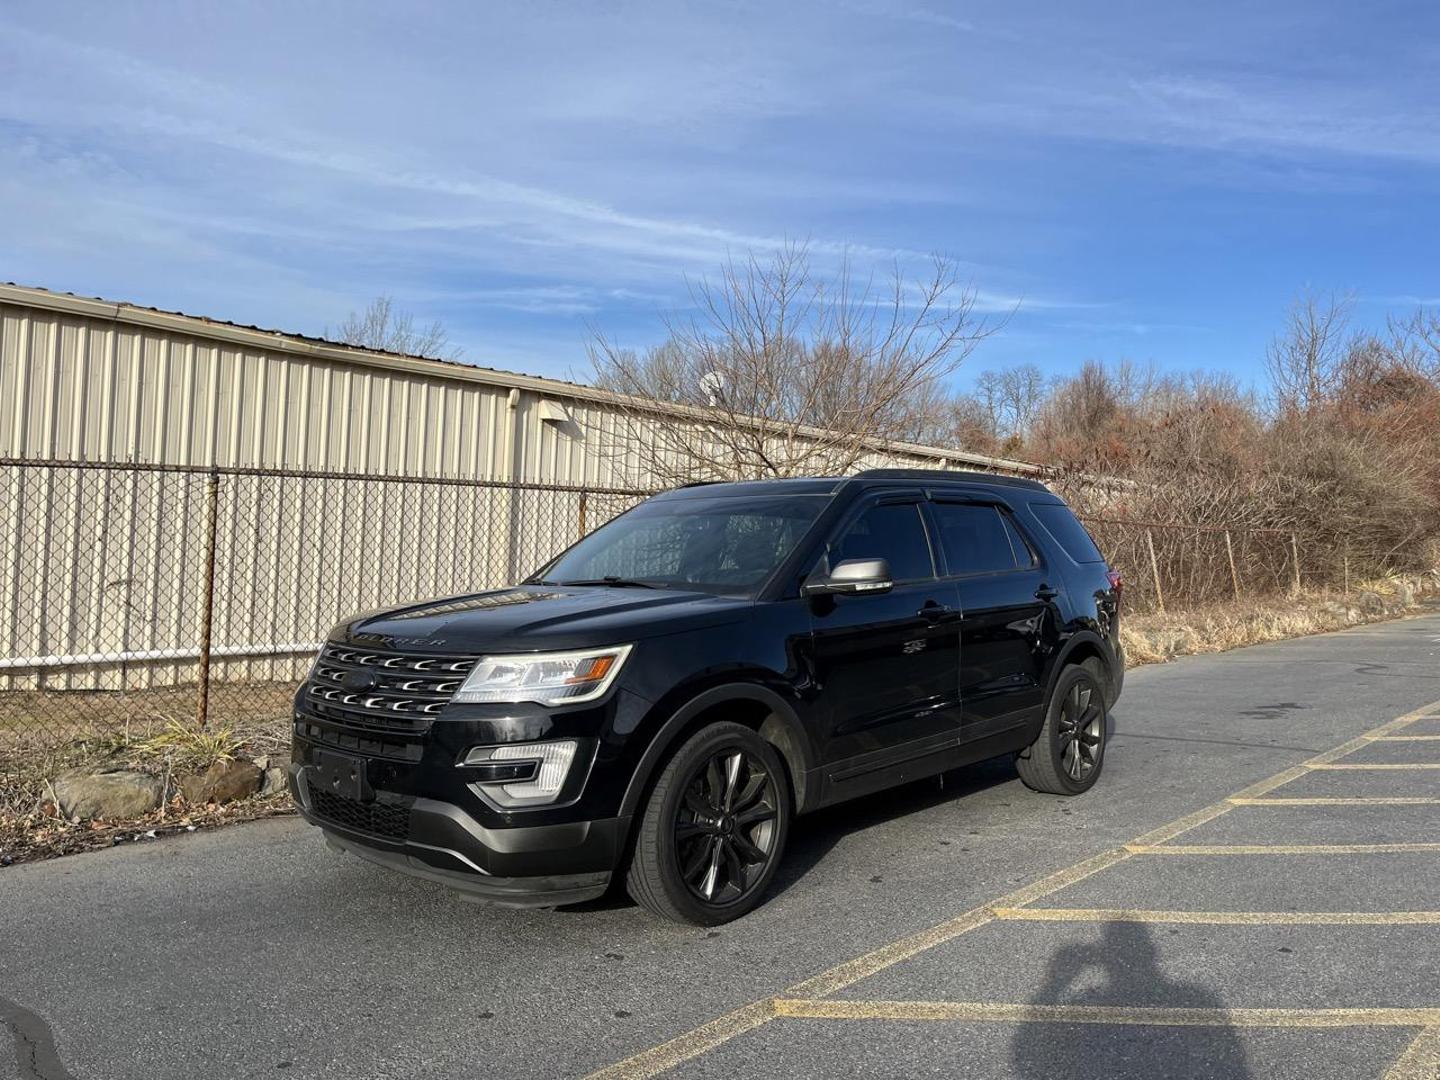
559 678
522 774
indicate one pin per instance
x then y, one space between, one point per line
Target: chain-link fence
1186 566
134 595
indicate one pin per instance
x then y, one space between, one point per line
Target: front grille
375 688
366 743
375 818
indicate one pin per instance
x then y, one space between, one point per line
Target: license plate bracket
343 775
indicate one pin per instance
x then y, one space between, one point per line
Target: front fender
782 727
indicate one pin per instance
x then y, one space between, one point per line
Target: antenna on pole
713 385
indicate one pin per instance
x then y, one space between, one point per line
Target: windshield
727 544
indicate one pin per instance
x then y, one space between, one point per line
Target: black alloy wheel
711 836
1081 730
1067 756
725 826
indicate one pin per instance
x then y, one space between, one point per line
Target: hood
532 618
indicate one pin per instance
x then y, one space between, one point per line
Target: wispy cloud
521 172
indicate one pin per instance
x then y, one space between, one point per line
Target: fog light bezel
495 788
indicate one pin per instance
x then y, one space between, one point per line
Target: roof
257 337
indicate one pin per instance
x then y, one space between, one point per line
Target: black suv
663 698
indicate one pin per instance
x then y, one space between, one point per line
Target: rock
1405 593
224 781
275 781
113 795
1372 603
262 762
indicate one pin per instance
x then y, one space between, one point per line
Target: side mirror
858 576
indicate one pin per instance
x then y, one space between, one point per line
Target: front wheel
712 834
1066 758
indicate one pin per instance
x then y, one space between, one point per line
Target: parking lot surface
1251 890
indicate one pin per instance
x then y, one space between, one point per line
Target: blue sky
1152 181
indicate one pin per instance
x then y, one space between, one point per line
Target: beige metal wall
110 562
98 381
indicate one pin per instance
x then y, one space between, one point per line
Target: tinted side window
973 538
895 533
1024 553
1060 523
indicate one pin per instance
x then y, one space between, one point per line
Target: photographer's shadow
1125 962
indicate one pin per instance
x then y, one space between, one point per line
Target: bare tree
1304 359
383 328
786 372
1012 397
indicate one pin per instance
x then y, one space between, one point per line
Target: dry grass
1153 638
32 828
26 771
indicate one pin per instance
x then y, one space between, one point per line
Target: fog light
522 774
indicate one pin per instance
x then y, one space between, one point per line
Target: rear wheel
712 834
1067 756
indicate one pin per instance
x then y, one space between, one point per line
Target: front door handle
1046 593
934 612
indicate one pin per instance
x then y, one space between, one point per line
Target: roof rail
951 474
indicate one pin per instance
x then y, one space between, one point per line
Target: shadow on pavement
1124 963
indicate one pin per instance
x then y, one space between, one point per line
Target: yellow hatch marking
1221 918
1340 800
1277 849
1378 765
1421 1059
664 1057
968 1011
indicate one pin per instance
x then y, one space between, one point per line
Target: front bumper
524 866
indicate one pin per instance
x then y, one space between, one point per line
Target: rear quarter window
1066 530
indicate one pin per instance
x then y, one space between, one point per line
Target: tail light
1116 582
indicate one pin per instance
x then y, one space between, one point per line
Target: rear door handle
1046 593
934 612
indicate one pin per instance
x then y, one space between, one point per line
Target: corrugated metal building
103 572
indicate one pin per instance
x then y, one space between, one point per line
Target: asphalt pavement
965 927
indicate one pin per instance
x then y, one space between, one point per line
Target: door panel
1005 635
1006 630
887 667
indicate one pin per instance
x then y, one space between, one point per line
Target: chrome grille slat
405 690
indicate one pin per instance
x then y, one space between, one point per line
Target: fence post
207 621
583 495
1155 570
1295 563
1230 555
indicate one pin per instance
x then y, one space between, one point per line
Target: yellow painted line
862 967
972 1012
1341 800
1406 738
1421 1059
662 1058
1277 849
1386 765
701 1040
1222 918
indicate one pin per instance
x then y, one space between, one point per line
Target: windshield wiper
617 582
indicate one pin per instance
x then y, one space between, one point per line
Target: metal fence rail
135 594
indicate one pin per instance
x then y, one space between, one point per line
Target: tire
1067 756
713 831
